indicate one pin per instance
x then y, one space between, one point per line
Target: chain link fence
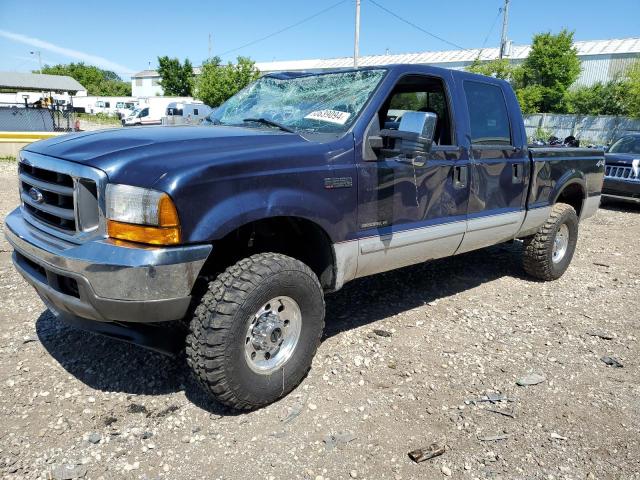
602 129
16 117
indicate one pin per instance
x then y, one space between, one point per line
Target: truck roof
398 68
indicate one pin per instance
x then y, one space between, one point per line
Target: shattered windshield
326 103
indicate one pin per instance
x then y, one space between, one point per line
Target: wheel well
293 236
572 195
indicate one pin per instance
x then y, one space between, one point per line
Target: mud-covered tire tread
536 259
213 319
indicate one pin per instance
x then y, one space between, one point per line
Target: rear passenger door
498 166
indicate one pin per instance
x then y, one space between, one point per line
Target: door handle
460 176
518 169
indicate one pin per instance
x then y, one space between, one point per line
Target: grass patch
99 118
7 158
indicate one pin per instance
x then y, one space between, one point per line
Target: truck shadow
113 366
620 205
110 365
374 298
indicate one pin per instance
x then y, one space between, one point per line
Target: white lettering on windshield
331 116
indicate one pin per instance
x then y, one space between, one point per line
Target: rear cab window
488 115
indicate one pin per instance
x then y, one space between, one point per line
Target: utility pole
39 53
505 23
356 43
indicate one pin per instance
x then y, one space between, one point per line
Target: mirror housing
414 136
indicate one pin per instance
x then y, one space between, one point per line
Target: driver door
410 212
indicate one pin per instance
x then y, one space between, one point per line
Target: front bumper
621 188
105 280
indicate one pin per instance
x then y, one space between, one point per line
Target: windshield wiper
271 123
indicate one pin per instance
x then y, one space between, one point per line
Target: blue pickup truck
296 185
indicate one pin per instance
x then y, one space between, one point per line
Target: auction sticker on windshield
331 116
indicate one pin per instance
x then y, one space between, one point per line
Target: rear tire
548 253
256 329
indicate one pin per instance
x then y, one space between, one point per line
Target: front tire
548 253
256 329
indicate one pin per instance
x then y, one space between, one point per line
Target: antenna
209 45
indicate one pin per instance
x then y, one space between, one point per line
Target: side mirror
415 133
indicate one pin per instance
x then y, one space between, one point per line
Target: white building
147 83
602 60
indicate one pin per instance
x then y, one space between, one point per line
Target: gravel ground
462 330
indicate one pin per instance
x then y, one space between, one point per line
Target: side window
488 116
420 94
144 112
138 82
195 111
107 104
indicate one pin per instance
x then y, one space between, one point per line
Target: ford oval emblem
36 195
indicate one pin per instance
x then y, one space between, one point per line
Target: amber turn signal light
167 213
169 235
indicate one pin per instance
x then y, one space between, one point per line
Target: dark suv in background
622 172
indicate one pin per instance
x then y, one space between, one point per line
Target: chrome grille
621 173
52 199
62 198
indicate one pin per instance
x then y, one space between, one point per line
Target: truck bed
555 167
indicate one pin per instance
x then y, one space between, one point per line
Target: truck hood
154 151
621 159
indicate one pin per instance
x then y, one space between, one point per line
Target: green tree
598 99
217 82
176 78
547 73
632 90
499 68
94 79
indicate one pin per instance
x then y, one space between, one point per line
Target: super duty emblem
338 182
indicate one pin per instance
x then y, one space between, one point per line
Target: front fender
247 207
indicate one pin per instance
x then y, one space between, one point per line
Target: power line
437 37
304 20
493 25
486 39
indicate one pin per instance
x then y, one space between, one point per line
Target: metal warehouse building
601 61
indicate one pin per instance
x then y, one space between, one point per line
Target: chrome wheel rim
560 243
272 335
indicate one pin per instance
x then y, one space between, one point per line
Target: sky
128 36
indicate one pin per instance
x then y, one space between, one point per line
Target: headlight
141 215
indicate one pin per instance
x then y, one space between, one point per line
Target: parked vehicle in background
151 110
622 171
125 108
104 105
142 116
298 184
186 113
